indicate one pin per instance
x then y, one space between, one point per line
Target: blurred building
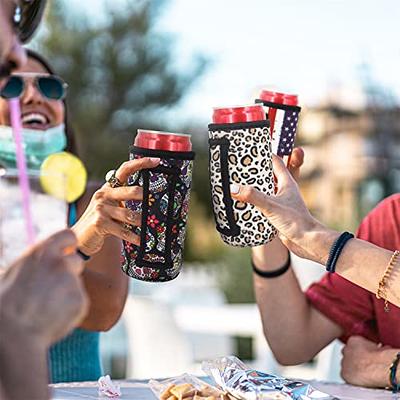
352 157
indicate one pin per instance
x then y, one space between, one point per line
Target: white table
88 390
140 391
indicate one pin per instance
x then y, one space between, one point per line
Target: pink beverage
283 112
164 208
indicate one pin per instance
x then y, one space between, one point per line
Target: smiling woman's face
37 112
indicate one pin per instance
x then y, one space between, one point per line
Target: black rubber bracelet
84 256
393 372
336 249
275 273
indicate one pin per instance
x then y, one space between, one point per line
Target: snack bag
186 387
234 377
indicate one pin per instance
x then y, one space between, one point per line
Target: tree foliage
120 75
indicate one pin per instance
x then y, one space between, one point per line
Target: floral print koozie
165 205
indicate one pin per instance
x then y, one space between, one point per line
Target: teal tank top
77 356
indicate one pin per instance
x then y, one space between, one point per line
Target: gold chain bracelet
382 286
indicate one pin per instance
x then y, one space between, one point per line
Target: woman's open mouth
35 120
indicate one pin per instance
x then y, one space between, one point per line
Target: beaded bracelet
392 374
336 249
382 286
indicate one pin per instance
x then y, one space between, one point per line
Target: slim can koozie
166 192
240 152
283 113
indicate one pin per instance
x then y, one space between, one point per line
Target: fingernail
131 216
154 159
235 189
134 240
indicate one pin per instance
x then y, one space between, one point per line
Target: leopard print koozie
240 153
166 192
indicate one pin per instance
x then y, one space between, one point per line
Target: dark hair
71 138
31 13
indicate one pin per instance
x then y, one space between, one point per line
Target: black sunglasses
51 87
27 17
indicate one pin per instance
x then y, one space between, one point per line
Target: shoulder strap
72 213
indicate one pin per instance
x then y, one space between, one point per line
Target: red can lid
231 115
280 98
166 141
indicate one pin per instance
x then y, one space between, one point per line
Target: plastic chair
157 348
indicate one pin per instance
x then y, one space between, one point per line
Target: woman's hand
296 162
105 214
273 254
286 211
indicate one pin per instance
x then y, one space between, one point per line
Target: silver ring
112 180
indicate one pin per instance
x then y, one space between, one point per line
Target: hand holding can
164 208
240 153
283 111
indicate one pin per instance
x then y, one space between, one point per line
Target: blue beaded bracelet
392 376
336 249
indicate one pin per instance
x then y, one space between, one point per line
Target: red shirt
355 309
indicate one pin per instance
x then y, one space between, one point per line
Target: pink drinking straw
15 114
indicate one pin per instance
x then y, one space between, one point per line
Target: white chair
194 287
328 362
157 348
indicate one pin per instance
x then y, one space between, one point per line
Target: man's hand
42 294
365 363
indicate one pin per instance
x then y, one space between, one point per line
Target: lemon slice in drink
63 175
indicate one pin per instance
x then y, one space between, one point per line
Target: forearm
380 376
107 299
23 365
360 262
289 320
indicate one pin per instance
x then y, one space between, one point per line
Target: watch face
27 17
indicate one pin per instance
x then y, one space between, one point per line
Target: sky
302 46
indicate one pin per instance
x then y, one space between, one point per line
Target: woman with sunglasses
98 221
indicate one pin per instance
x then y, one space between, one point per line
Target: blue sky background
303 46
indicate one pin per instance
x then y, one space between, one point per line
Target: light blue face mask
38 145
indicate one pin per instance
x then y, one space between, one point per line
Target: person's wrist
23 351
14 333
318 240
88 243
270 256
386 359
377 374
